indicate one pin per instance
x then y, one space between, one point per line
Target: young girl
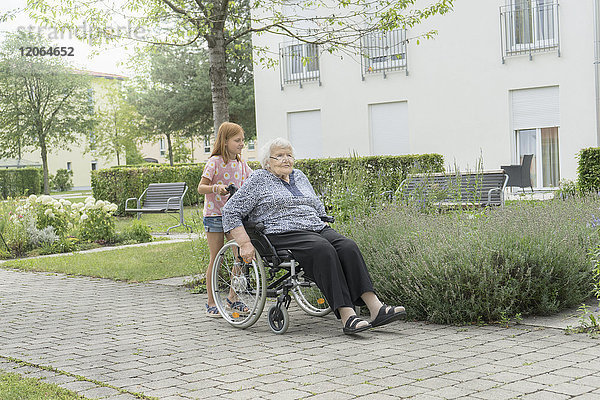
222 168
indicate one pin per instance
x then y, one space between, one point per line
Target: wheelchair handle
328 218
231 189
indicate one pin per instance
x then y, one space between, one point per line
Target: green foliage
96 222
62 181
118 184
588 170
138 232
568 189
488 265
44 104
20 182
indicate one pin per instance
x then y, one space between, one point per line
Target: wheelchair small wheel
310 299
279 319
239 289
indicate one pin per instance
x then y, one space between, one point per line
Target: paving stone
154 339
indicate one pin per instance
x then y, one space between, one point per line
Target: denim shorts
213 224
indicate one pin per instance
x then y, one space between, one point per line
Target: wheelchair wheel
279 319
236 285
310 299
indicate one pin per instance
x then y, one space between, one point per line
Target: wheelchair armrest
327 218
257 226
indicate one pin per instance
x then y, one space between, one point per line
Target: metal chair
520 175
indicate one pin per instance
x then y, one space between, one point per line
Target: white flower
70 225
106 208
45 199
32 198
84 217
48 212
90 199
67 203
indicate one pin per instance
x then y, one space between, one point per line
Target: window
68 165
529 26
383 51
94 165
251 145
299 62
162 147
535 123
543 144
207 144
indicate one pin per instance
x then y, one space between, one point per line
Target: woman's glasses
281 158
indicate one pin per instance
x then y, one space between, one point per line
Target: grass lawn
131 264
159 223
16 387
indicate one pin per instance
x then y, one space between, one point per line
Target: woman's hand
247 252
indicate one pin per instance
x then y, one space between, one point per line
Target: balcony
528 27
383 51
299 63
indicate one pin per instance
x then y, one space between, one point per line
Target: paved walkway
109 340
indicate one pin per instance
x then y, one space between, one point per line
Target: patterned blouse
280 206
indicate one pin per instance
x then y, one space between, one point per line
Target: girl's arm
205 186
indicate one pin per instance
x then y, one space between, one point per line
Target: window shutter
535 108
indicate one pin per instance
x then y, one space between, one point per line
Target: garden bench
483 188
161 198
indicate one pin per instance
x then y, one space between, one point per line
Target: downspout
597 66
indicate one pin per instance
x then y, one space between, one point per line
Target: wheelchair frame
249 284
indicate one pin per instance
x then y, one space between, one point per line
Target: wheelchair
274 273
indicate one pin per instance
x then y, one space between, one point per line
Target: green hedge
20 182
588 169
118 184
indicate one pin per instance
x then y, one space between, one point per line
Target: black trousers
332 261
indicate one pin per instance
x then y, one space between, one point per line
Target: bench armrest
132 198
175 198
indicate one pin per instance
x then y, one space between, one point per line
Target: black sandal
350 326
385 316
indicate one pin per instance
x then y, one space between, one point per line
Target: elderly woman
283 199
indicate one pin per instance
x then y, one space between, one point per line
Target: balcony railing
299 63
383 51
528 27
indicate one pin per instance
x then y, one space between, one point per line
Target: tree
221 24
118 123
172 96
48 104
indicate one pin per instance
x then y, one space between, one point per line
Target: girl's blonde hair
226 131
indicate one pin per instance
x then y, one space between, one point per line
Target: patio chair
520 175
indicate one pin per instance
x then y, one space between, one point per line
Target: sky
111 59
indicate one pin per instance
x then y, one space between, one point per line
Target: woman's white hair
266 150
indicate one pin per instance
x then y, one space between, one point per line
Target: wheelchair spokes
309 298
238 288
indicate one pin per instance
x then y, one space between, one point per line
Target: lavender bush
485 265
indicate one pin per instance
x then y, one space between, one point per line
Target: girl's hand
221 189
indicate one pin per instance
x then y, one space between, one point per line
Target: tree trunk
168 135
44 152
218 76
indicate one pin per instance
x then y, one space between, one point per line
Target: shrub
47 211
20 182
463 267
96 222
120 183
62 181
588 169
567 189
138 232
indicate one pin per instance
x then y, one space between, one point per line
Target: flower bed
44 225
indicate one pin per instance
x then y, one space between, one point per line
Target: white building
502 78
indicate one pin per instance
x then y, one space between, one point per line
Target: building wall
457 90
